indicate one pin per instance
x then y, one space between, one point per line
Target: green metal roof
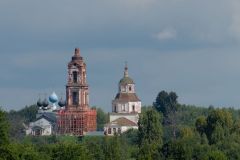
126 80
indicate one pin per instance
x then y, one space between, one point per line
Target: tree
4 132
16 128
167 104
161 103
102 119
219 124
150 135
95 146
201 124
29 113
16 120
113 150
186 132
215 155
178 149
230 146
71 151
131 136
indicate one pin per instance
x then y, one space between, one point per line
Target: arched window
75 76
119 130
123 107
114 130
115 108
133 108
130 88
75 98
109 131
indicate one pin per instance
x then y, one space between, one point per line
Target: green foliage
166 103
29 113
187 114
17 119
71 151
186 132
43 140
131 136
95 146
177 149
201 124
115 149
219 124
236 127
215 155
150 134
4 133
199 133
102 119
22 152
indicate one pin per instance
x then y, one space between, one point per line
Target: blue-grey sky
190 47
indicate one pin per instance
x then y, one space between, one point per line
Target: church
126 107
77 118
71 117
74 116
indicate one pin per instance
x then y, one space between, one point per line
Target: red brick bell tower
77 118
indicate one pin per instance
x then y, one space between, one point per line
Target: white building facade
44 125
125 107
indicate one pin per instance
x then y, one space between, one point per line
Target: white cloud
166 34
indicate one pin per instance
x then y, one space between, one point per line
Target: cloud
199 49
166 34
235 25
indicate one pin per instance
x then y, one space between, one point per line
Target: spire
126 70
77 52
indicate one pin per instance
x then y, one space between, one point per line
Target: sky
189 47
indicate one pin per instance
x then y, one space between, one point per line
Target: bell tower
77 87
77 118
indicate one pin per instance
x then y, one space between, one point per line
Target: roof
122 121
124 114
126 80
127 97
95 133
51 117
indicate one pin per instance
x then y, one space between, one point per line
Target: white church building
44 125
125 108
46 118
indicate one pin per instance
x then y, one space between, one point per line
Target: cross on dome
77 52
126 70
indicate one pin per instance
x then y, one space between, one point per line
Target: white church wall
43 123
137 107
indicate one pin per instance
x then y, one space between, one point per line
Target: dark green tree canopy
4 126
166 102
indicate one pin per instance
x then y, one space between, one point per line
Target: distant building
44 125
46 118
125 107
77 118
71 117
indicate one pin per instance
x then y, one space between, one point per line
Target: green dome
126 80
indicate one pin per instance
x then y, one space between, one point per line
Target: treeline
167 131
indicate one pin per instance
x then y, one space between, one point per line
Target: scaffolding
76 122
